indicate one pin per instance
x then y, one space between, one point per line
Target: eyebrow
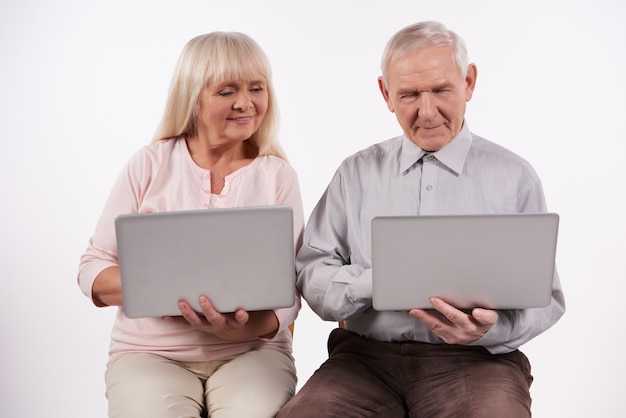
235 83
436 87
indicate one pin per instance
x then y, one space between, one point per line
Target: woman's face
231 111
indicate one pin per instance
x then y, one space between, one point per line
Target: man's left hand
455 326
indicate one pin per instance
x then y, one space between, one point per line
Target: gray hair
424 35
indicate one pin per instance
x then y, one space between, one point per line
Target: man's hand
455 326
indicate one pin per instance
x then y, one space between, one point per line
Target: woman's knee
257 383
146 385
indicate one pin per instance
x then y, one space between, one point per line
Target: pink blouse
163 177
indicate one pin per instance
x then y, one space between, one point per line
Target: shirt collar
453 155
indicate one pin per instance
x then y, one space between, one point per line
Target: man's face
428 94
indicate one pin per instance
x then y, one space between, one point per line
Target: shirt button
429 188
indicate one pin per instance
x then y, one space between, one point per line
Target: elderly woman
216 147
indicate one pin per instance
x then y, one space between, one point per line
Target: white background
83 84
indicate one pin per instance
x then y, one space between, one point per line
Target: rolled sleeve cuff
492 340
362 287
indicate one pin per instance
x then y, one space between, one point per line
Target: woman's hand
239 325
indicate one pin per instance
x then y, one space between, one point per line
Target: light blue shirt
470 175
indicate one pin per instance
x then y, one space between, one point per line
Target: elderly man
441 362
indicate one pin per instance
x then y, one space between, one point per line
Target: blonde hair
210 59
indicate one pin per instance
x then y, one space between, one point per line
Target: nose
243 101
427 106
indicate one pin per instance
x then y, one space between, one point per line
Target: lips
243 121
430 127
241 118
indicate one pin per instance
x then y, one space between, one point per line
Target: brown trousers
368 378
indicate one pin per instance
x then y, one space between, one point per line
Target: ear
385 93
470 81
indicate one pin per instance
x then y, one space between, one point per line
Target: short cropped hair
424 35
211 59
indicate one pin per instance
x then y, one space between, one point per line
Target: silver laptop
491 261
237 257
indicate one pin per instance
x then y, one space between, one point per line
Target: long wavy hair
210 59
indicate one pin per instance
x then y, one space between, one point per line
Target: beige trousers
253 384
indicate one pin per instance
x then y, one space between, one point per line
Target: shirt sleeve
334 288
516 327
101 251
288 193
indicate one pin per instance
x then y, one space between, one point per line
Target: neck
210 156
